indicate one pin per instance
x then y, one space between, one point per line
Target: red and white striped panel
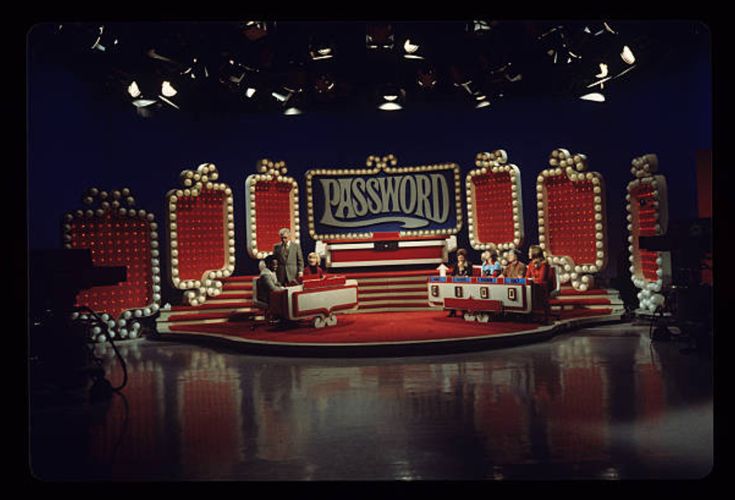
272 204
647 206
386 253
117 235
571 218
201 233
494 203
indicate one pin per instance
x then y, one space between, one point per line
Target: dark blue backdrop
76 141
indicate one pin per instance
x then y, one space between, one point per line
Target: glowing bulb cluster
117 235
647 206
494 203
201 233
275 196
571 218
376 164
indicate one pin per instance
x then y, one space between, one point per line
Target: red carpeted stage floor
384 329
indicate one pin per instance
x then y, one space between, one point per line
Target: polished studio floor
599 403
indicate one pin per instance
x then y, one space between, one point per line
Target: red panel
201 233
401 253
570 219
473 304
273 211
116 240
328 281
644 224
494 207
392 274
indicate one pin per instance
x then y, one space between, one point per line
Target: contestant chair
262 309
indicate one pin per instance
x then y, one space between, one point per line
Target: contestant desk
479 296
316 299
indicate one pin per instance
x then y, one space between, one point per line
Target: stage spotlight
232 73
379 36
324 85
320 50
292 111
627 55
391 98
321 54
426 78
254 30
103 41
390 106
482 104
594 96
249 92
282 97
167 89
557 45
155 55
134 90
142 103
479 27
603 71
196 70
411 50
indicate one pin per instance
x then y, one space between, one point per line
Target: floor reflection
599 403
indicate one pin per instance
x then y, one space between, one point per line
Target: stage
405 323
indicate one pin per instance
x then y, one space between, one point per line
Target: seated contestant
515 268
539 271
267 281
313 270
491 266
463 267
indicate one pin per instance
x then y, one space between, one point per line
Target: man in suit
267 281
290 258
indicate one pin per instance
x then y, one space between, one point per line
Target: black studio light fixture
292 67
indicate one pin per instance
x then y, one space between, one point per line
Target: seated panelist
312 270
491 266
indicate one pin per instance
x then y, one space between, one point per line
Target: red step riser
196 317
363 299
